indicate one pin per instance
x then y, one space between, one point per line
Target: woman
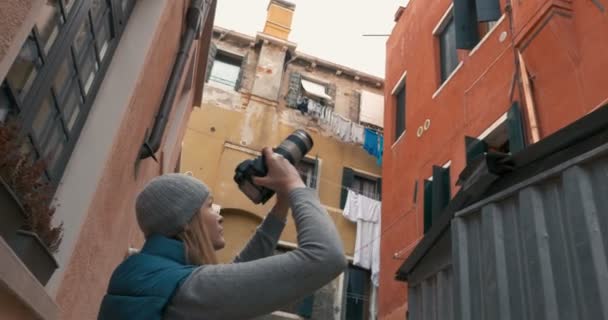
176 275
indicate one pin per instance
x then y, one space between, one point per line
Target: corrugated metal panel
537 250
431 299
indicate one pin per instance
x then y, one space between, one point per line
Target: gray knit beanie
168 203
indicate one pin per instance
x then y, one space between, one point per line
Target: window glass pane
306 170
125 5
5 103
24 70
64 75
400 114
102 36
83 38
98 7
44 115
71 106
449 56
225 73
366 187
54 145
48 23
68 5
88 68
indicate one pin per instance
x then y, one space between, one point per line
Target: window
53 81
447 49
468 15
358 289
302 89
486 27
366 185
226 70
506 135
308 170
400 112
437 194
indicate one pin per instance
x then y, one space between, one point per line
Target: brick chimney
279 18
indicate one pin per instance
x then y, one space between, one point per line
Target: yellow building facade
249 102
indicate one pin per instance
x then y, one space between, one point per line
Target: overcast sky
329 29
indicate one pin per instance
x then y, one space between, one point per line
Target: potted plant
26 202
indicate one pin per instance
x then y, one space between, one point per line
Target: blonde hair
199 248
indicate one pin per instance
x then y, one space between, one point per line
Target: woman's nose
221 219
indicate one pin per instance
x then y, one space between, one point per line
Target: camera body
294 148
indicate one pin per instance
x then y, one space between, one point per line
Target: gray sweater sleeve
263 242
250 289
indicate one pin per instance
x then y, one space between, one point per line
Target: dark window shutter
210 60
355 293
516 130
465 18
239 80
474 148
379 189
488 10
428 204
295 83
348 176
441 190
306 306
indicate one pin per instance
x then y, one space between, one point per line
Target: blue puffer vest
143 285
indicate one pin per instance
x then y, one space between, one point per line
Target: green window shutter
441 190
210 60
516 129
428 204
488 10
474 148
348 176
306 306
293 92
465 18
355 293
239 80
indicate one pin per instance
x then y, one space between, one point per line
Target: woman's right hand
282 176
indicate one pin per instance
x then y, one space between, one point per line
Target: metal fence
537 250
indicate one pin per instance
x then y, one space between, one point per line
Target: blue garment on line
374 144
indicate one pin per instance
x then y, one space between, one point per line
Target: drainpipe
193 25
529 98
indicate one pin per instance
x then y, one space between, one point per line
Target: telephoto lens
294 148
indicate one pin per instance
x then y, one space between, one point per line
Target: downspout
193 26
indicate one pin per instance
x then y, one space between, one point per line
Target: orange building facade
466 76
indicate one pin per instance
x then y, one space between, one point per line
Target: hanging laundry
302 105
314 109
366 213
357 133
342 128
374 144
